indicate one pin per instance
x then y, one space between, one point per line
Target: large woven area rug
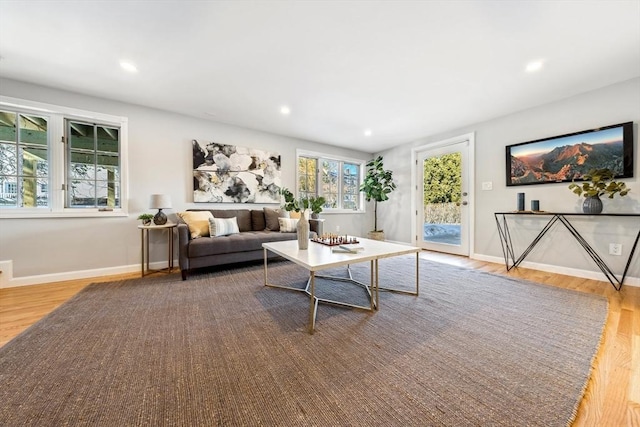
223 350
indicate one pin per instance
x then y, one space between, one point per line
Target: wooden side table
144 235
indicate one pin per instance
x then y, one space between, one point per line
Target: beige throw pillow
198 222
288 225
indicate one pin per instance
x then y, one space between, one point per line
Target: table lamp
160 201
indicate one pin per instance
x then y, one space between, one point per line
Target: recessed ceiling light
534 66
367 132
128 66
285 110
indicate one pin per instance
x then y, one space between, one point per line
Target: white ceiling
404 69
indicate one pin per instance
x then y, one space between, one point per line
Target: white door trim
470 137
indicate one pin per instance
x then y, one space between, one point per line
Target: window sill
341 212
93 213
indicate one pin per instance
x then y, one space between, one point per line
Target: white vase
303 231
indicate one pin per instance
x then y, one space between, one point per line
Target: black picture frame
566 158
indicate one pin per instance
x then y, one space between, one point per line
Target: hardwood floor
612 397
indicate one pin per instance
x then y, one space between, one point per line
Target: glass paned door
443 211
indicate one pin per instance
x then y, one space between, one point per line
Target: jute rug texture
220 349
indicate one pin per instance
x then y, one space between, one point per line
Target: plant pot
592 205
146 222
376 235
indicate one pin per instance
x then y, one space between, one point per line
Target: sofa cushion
271 217
247 241
257 220
198 222
223 226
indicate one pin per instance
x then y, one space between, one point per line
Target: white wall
559 251
160 161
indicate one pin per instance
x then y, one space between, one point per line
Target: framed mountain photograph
566 158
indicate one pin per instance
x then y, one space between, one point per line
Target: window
93 164
24 160
336 179
57 161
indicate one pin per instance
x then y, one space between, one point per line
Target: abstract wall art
232 174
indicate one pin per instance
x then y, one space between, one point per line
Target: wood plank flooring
612 397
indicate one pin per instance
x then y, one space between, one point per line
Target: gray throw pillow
271 218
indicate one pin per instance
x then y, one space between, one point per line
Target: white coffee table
320 257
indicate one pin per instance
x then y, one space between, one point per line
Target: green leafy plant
145 217
599 182
377 185
315 204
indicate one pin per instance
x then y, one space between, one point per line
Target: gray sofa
244 246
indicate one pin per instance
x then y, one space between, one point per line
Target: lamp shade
160 201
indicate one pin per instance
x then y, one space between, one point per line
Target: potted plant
598 182
377 185
314 204
146 218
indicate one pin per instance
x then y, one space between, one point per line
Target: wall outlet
337 228
488 185
615 249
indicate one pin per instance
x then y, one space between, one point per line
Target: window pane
29 192
8 127
82 167
82 193
33 130
350 186
8 164
81 136
107 164
108 194
330 179
9 192
306 177
108 139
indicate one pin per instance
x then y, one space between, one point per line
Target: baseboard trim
74 275
575 272
10 282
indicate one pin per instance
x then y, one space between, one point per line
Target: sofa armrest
315 225
184 236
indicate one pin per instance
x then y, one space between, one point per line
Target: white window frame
320 156
56 116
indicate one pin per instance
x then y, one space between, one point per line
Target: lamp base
160 218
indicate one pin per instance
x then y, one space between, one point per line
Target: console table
509 254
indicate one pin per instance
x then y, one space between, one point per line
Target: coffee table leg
372 288
417 273
312 304
377 285
265 266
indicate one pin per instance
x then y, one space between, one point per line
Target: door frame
470 137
